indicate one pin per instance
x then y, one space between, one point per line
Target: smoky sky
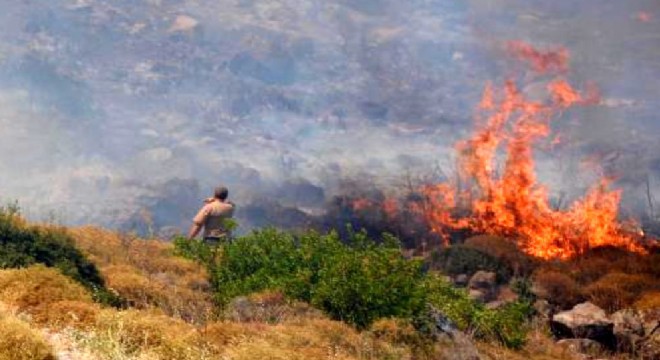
111 107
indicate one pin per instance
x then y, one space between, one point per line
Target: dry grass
616 290
505 250
610 278
148 274
149 334
649 300
269 307
557 287
66 314
312 339
539 346
19 342
35 288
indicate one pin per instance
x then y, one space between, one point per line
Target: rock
506 295
495 304
543 308
438 326
183 23
581 346
586 321
477 295
461 280
628 329
482 286
650 321
627 321
649 346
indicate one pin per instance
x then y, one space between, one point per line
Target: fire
506 198
540 61
390 207
361 204
644 16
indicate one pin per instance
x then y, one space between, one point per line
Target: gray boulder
649 347
483 286
461 280
581 346
584 321
543 308
437 325
628 329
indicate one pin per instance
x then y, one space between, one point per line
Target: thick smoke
127 113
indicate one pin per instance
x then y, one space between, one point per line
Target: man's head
221 193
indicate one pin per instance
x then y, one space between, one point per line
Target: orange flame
361 204
644 16
390 207
541 61
510 202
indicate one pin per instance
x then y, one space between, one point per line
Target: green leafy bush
22 245
506 325
358 282
192 249
265 259
362 285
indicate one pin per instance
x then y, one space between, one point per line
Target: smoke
111 110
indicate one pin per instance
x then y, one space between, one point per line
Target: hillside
164 306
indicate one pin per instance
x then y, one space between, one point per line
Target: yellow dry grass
310 339
35 288
19 342
68 313
539 346
147 273
650 300
617 290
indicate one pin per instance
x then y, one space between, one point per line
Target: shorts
215 240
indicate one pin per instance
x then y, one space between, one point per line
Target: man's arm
194 230
198 223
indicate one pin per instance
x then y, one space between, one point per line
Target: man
212 217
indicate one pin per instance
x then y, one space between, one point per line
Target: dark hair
221 193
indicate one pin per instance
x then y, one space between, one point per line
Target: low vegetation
147 273
23 245
357 282
20 342
278 295
611 278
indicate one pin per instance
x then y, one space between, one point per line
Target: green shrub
192 249
22 245
360 286
460 259
506 325
358 282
